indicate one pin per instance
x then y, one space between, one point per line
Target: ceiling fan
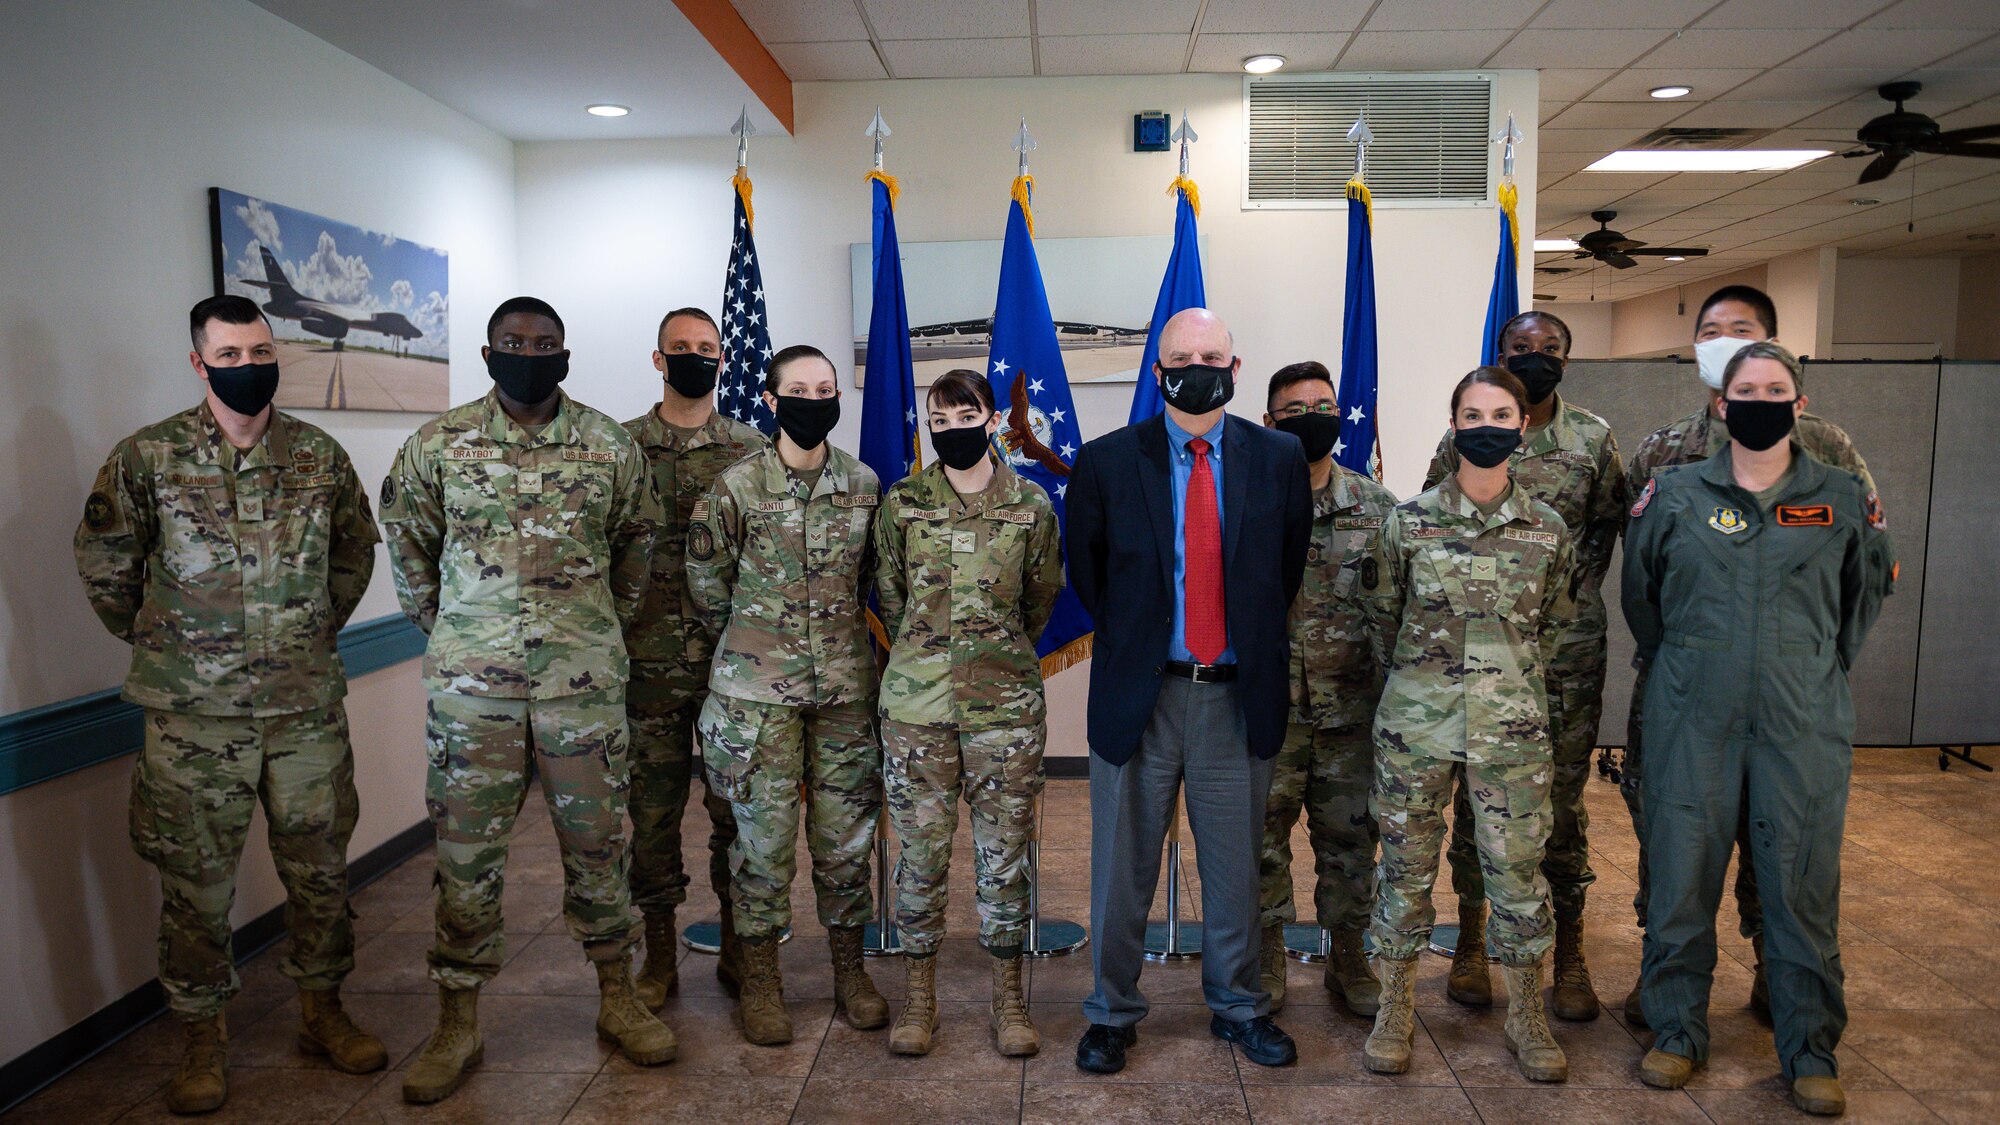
1617 251
1894 137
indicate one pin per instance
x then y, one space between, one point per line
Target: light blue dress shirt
1182 460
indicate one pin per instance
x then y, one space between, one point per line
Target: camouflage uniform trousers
759 755
999 771
197 781
480 751
1576 704
1328 774
1631 786
1511 823
663 767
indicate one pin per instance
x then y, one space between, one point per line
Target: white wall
1979 308
1802 286
1589 325
116 117
1896 308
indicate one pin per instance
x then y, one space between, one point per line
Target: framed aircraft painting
360 316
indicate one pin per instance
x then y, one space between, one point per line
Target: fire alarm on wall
1151 132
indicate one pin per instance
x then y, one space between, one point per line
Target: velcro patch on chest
466 453
193 480
855 500
1804 515
926 515
785 505
1356 523
596 456
700 513
1571 457
1009 516
1432 532
315 480
1539 538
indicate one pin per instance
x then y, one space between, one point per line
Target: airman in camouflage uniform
523 552
1571 464
670 653
230 572
966 583
777 568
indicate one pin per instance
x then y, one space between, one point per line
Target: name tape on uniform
858 500
1804 515
1009 516
315 480
465 453
1356 523
1540 538
599 456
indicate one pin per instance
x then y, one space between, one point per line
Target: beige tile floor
1921 915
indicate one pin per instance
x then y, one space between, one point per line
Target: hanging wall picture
360 316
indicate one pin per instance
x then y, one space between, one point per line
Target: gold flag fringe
888 181
1024 194
1185 185
1358 190
741 182
1510 199
1068 656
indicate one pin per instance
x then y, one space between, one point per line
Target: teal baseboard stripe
55 1057
72 734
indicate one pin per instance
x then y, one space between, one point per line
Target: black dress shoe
1260 1039
1102 1049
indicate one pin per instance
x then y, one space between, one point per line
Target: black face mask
1760 423
1317 432
246 388
807 421
1538 371
1197 388
961 448
691 374
527 379
1486 446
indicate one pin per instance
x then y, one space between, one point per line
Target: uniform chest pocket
1355 549
307 509
194 538
1441 574
475 498
772 541
1000 561
573 494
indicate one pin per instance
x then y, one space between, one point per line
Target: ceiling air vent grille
1433 138
1685 137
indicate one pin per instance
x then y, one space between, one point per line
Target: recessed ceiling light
1550 245
1863 201
1263 64
606 109
1671 91
1674 258
1707 160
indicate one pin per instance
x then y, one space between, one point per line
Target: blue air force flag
1505 300
1359 447
1181 288
889 398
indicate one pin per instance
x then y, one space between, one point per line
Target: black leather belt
1200 673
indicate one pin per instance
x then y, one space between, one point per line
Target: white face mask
1713 356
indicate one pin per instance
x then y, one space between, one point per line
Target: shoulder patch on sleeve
701 543
1876 519
701 510
1645 498
388 491
98 514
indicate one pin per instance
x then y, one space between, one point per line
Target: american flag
746 338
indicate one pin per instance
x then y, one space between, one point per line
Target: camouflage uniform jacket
1335 681
523 556
1701 435
779 581
1572 465
683 467
230 583
966 585
1466 611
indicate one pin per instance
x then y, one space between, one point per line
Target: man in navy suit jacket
1186 538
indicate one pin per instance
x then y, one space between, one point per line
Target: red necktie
1201 541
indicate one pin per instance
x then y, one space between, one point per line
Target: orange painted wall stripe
719 23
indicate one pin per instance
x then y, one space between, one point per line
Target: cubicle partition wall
1930 674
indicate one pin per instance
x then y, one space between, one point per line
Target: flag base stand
879 938
1173 940
1047 937
1444 941
1312 945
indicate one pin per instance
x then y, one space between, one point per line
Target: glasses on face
1301 409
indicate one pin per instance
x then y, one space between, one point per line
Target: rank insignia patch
1728 521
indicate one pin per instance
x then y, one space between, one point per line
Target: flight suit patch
1876 519
98 515
1728 521
1645 498
1804 515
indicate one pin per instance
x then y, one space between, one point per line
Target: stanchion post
880 939
1172 941
1056 937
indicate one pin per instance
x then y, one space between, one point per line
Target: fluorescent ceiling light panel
1551 245
1706 160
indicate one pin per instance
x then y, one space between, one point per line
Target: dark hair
699 314
795 352
961 387
1492 377
228 308
1306 371
1521 319
1758 300
1766 349
512 305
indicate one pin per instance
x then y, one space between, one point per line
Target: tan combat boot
1760 988
1388 1048
660 976
762 1000
1575 999
854 995
729 966
328 1031
454 1051
1013 1032
1819 1095
1271 965
201 1085
1527 1031
918 1023
1635 1008
1664 1070
1469 983
1348 975
624 1022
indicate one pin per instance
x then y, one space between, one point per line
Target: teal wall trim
72 734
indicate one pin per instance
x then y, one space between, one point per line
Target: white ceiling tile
1747 115
1599 141
1674 194
1788 83
1982 54
1666 14
1633 85
1792 13
828 62
1537 48
1607 115
1946 90
1113 54
1552 164
1126 17
1883 49
1939 13
927 19
786 21
1450 15
959 58
1568 85
1303 52
1420 50
1847 116
1978 113
1610 184
1704 48
1284 15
